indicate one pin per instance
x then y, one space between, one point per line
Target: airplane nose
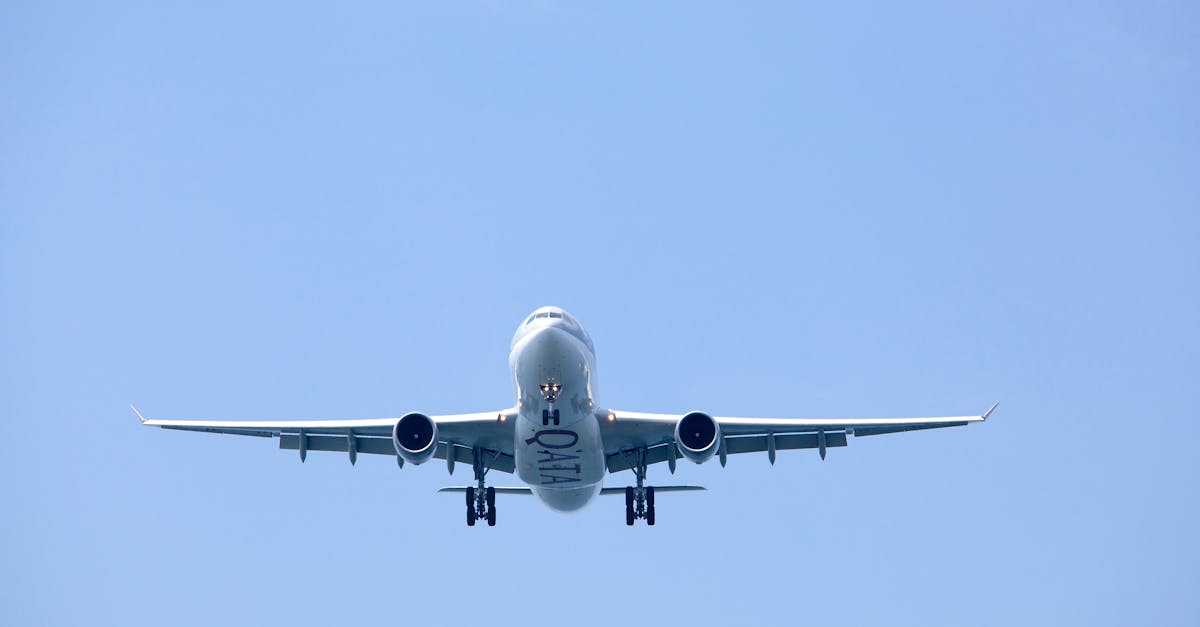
550 345
549 340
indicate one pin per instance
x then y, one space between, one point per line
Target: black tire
629 516
650 515
491 516
629 506
490 497
471 498
545 417
650 498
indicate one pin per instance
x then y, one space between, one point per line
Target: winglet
139 414
989 412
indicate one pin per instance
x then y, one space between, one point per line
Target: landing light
612 417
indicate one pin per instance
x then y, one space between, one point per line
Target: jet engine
415 438
698 436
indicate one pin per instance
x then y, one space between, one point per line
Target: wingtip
137 413
989 412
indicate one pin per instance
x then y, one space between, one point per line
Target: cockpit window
549 314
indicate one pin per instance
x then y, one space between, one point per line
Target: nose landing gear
550 391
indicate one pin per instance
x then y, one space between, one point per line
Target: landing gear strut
481 501
639 500
550 392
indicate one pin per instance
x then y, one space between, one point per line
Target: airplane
556 439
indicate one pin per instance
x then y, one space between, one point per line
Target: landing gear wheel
639 499
470 507
491 497
491 516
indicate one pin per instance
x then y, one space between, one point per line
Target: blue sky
297 211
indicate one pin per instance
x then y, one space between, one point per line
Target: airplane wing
457 435
625 432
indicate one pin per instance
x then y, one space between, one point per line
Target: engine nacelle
415 438
698 436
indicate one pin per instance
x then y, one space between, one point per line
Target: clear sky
287 211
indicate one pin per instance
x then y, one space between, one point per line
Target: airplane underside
556 440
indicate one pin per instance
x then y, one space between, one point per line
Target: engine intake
697 436
415 438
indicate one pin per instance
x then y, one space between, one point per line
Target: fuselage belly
558 449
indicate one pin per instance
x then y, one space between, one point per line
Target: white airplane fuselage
558 449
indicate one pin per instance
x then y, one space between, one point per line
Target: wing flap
333 443
861 431
791 441
746 426
383 446
624 460
378 427
261 433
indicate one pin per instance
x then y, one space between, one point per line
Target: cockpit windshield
547 314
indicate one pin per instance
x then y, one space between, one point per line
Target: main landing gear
481 501
639 500
481 504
